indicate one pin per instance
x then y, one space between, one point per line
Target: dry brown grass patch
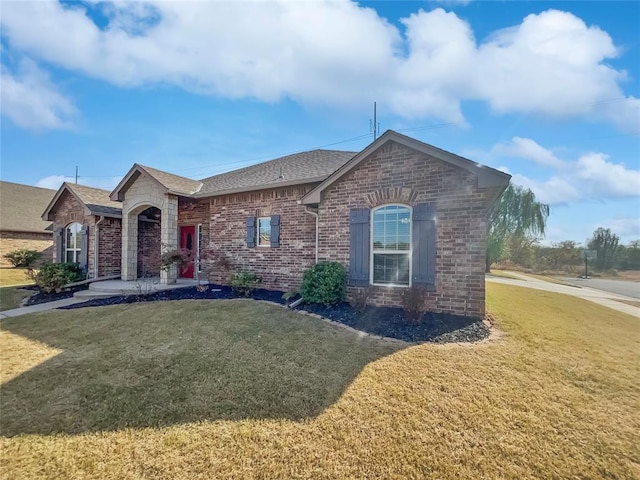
558 397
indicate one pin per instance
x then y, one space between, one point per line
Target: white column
129 246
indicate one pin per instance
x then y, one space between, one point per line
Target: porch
141 286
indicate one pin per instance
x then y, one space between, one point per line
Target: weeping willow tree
516 213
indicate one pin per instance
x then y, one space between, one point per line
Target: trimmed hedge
324 283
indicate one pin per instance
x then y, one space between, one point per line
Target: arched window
72 243
391 245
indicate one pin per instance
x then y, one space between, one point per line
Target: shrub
324 283
243 283
53 276
175 256
414 303
22 257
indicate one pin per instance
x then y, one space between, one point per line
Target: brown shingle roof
174 183
21 207
96 199
304 167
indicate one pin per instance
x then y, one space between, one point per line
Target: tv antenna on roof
374 126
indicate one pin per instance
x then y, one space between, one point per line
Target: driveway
619 287
608 299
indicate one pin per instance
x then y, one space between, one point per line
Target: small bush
324 283
243 283
175 256
53 276
414 303
22 257
360 298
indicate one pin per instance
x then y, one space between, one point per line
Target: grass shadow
153 365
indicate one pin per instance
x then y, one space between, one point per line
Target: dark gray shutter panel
84 248
424 246
274 240
359 247
251 231
58 240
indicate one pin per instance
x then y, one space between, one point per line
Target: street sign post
588 255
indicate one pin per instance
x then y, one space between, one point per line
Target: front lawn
240 389
11 297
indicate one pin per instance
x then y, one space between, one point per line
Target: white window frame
258 220
379 251
76 250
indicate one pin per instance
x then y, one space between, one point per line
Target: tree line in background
516 225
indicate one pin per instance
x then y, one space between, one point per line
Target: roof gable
21 207
95 201
168 182
487 177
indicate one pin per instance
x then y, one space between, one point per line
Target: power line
249 162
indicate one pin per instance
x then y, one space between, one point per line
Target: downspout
315 214
95 250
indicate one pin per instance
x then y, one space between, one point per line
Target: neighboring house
21 226
399 213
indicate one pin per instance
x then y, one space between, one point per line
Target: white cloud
334 53
607 178
529 150
55 181
592 175
624 226
31 101
555 191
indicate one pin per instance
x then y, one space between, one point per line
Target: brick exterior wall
41 242
280 268
70 210
109 248
396 174
149 249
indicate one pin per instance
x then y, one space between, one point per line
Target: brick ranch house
20 224
398 213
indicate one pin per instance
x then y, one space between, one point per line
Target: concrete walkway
104 289
600 297
42 307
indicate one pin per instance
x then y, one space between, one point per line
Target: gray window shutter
424 246
84 248
58 240
251 231
359 247
274 240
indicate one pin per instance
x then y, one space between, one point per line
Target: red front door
188 242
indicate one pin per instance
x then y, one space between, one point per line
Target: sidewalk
42 307
600 297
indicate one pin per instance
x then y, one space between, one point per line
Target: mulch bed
42 297
383 321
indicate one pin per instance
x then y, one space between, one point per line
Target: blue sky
548 91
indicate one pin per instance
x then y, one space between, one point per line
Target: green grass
239 389
10 276
11 297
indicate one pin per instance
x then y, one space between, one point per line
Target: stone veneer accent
142 194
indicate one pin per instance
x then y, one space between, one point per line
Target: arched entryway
147 230
149 245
